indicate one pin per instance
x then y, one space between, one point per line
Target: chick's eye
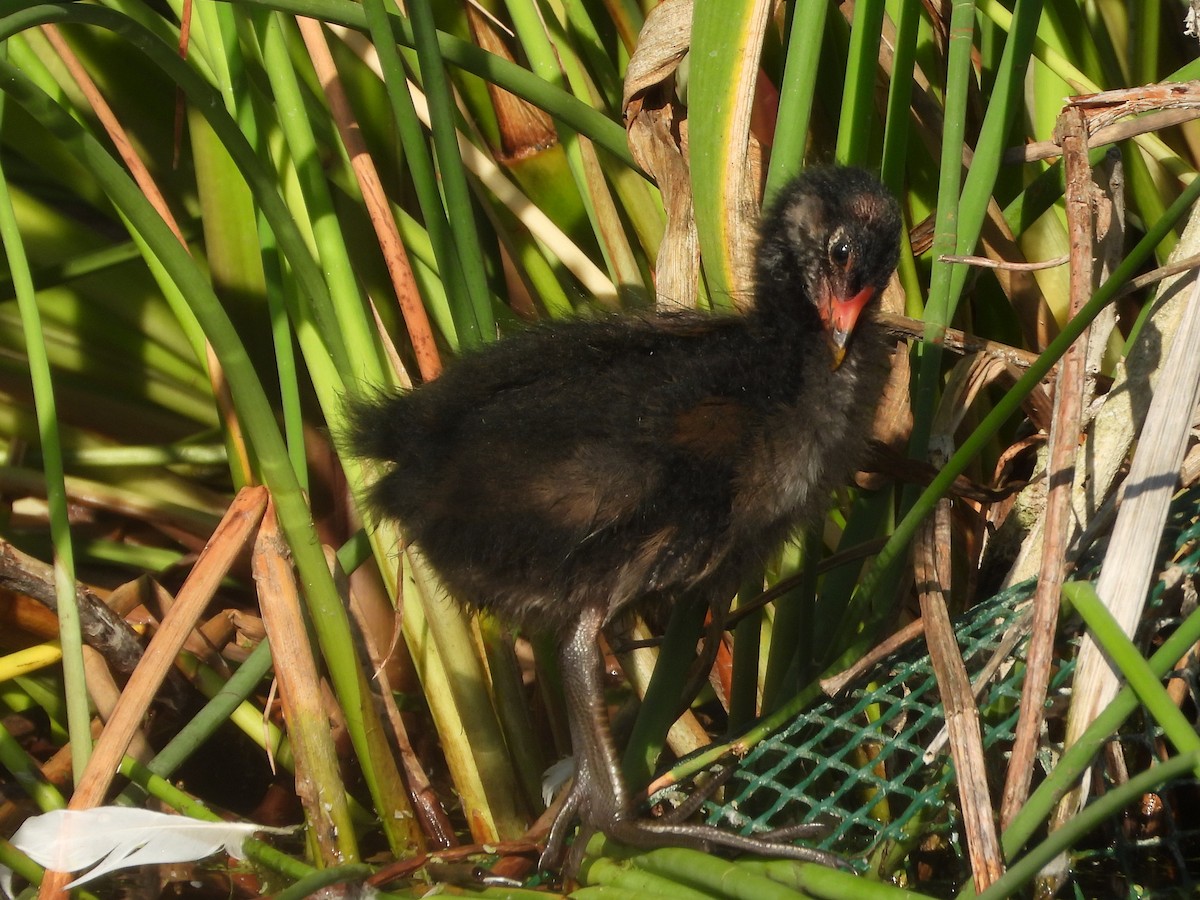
839 252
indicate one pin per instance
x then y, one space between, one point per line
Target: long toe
650 833
573 807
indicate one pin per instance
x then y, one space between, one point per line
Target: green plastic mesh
856 763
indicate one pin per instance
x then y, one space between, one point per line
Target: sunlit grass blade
476 323
856 132
727 36
70 633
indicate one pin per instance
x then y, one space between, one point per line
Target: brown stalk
932 568
197 643
318 780
1064 443
435 824
1000 657
104 692
420 333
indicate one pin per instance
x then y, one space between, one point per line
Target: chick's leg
599 794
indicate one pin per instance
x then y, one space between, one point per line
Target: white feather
116 837
555 777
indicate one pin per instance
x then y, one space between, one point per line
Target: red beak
840 317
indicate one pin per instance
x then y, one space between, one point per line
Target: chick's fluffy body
603 462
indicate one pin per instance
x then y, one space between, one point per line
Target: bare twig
835 684
103 630
1109 134
986 262
1106 107
1064 443
932 567
955 340
1156 275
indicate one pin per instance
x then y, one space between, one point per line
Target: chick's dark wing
588 439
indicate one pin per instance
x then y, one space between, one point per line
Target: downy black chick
565 474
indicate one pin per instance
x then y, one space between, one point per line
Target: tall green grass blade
660 705
69 628
420 167
474 318
896 122
553 57
940 307
27 774
806 26
726 36
525 84
794 627
346 308
856 130
1004 106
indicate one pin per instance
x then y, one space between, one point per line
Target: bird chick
571 472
